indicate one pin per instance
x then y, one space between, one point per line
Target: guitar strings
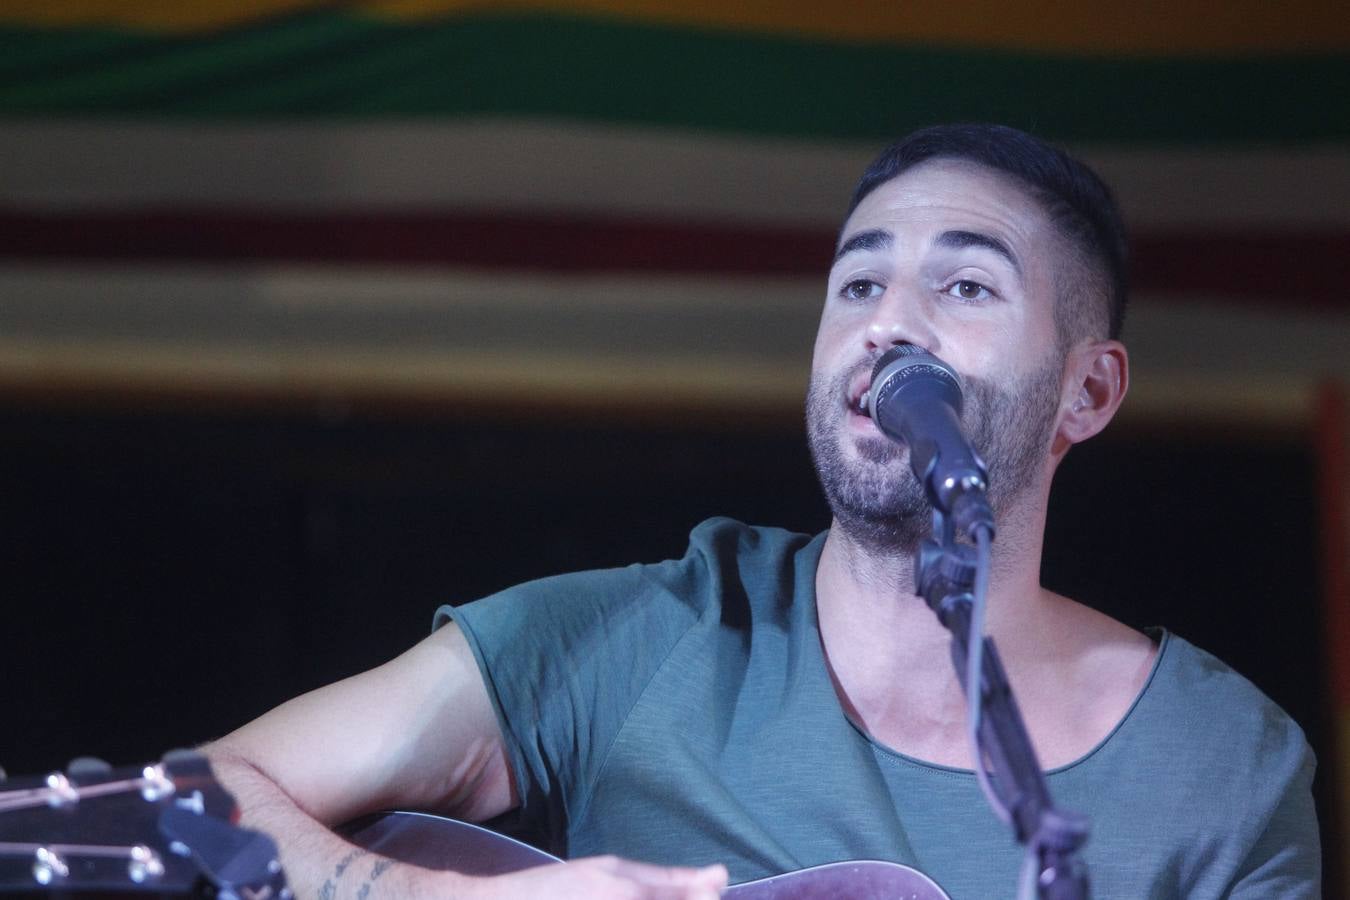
28 798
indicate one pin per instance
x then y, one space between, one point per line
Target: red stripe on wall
554 243
1310 268
1295 269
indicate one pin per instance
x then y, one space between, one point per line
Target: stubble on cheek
867 482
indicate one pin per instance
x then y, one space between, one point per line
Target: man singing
773 701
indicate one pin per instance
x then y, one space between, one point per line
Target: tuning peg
88 768
184 755
186 763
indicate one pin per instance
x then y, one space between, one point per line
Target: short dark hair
1078 202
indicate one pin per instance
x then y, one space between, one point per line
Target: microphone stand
946 580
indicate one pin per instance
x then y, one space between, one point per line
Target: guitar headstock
166 828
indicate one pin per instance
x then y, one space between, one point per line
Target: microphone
915 399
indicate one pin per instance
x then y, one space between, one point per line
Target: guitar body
437 843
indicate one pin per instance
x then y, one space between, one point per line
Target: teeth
862 402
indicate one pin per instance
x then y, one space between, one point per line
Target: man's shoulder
1201 674
725 561
1182 693
721 551
754 571
723 540
1225 769
1205 701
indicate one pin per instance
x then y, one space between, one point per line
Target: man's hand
604 878
362 875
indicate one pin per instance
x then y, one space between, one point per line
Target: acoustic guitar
437 843
170 829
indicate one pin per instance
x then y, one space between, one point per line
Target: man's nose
900 317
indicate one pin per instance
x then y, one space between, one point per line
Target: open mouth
857 398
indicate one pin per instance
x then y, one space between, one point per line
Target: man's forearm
318 863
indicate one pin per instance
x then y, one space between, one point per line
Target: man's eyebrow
960 240
872 239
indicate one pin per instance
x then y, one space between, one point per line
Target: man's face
958 260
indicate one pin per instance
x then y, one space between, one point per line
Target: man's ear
1099 376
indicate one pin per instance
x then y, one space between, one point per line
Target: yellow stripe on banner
1099 28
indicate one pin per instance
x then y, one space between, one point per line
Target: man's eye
861 289
969 290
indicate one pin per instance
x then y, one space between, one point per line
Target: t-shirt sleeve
1286 860
564 660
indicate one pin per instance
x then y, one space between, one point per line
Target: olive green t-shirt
682 713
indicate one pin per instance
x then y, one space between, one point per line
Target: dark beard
879 503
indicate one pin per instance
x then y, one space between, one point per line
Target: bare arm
418 731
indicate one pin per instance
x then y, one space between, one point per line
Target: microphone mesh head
899 351
907 366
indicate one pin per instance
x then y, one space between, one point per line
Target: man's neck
890 657
886 648
876 588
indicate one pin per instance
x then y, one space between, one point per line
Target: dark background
170 573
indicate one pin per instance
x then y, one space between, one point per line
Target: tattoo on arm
329 888
379 869
347 861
